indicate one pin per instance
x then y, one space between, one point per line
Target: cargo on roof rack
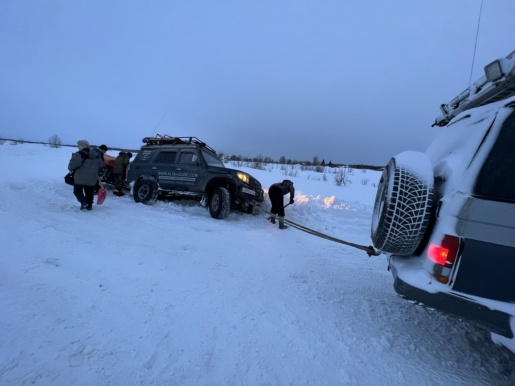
497 83
164 139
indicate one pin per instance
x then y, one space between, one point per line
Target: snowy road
129 294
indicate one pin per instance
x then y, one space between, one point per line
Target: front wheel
220 203
145 190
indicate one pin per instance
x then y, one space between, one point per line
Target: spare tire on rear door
402 208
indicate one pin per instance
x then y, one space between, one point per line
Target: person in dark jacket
85 163
276 192
120 171
101 150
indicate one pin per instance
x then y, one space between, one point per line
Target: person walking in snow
276 192
85 164
120 171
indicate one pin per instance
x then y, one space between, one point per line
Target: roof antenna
161 120
475 44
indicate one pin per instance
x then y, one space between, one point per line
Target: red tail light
444 255
446 252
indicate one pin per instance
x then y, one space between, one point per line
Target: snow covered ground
129 294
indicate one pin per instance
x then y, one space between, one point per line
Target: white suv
446 217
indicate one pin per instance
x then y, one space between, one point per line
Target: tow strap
368 249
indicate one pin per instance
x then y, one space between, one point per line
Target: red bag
101 195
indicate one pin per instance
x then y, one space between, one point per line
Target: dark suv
179 167
446 217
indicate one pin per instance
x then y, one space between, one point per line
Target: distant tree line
288 161
55 142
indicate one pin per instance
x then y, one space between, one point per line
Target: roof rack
164 139
497 83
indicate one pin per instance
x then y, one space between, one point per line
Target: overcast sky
348 81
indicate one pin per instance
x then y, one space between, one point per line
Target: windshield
212 160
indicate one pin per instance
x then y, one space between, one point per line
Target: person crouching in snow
86 164
120 171
276 192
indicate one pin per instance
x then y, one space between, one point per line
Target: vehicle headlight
244 177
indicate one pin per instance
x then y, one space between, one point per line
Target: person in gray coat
85 163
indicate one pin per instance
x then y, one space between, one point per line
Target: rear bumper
463 308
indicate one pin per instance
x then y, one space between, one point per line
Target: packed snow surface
129 294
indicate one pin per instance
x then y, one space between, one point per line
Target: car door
187 171
486 223
164 168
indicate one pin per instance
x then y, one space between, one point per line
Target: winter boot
281 223
83 205
272 219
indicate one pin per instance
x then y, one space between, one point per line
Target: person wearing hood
276 192
85 164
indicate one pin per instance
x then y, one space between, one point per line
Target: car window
212 160
144 155
187 157
496 180
166 157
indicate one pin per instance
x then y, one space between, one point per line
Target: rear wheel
402 208
145 190
220 203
